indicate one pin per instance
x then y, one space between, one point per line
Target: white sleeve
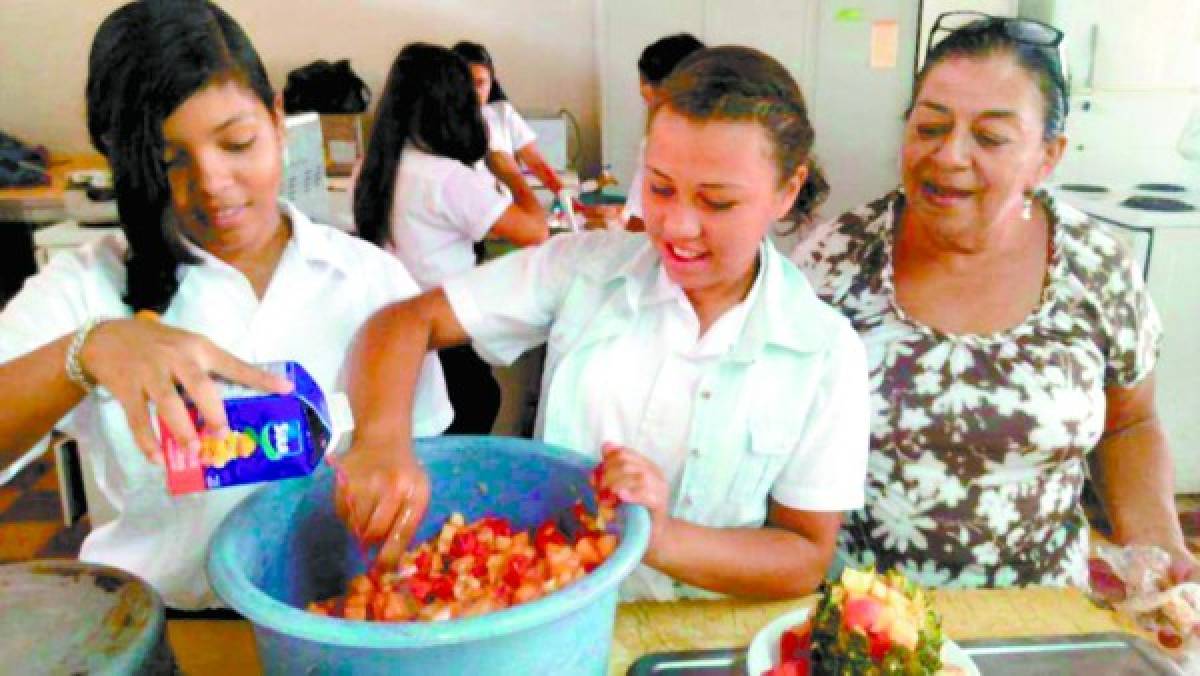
53 303
471 202
508 304
498 139
520 134
432 412
827 470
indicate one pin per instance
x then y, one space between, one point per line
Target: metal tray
1111 654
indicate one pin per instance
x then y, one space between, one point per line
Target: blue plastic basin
284 547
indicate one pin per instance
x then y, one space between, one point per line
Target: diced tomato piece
796 642
499 525
1169 638
514 570
420 587
796 667
880 644
463 544
423 561
860 612
480 570
443 587
548 533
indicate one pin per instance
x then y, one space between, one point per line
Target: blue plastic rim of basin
284 547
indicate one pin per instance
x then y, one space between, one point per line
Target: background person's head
727 155
152 63
483 71
985 127
659 58
429 102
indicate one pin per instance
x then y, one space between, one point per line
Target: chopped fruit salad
865 623
478 567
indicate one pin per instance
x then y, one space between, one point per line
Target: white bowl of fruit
864 623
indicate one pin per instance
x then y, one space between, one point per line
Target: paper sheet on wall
885 41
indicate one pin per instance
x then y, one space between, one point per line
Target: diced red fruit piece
1169 638
423 561
420 587
796 642
1105 583
861 612
443 587
880 643
463 544
796 667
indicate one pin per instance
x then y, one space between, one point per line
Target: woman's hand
636 479
1184 568
144 362
382 493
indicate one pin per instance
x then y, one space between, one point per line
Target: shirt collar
307 240
783 309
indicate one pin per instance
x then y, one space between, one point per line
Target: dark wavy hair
147 58
476 54
428 101
986 36
741 83
660 57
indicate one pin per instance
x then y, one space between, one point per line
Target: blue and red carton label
271 436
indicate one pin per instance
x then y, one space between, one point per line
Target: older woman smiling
1010 340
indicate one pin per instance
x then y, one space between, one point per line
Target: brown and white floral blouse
978 442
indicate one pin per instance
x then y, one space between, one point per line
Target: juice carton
271 436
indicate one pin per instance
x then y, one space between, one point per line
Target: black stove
1148 203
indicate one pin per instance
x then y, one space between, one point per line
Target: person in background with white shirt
419 197
179 102
657 61
508 132
695 361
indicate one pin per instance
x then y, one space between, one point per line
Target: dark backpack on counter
325 87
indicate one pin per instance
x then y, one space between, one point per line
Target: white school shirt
771 402
440 208
508 132
325 285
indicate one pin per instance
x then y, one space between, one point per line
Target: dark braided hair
147 58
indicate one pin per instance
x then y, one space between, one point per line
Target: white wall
544 52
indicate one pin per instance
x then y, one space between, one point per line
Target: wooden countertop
44 203
227 647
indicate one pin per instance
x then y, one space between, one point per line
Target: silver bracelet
75 369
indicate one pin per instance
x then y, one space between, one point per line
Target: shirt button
687 501
695 452
705 394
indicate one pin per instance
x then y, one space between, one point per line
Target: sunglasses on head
1024 31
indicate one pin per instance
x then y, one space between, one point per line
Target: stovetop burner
1148 203
1090 188
1160 187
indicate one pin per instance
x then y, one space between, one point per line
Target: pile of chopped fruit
865 623
475 568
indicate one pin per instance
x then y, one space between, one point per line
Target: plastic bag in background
1135 580
325 87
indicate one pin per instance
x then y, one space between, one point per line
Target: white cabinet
1174 282
1118 45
